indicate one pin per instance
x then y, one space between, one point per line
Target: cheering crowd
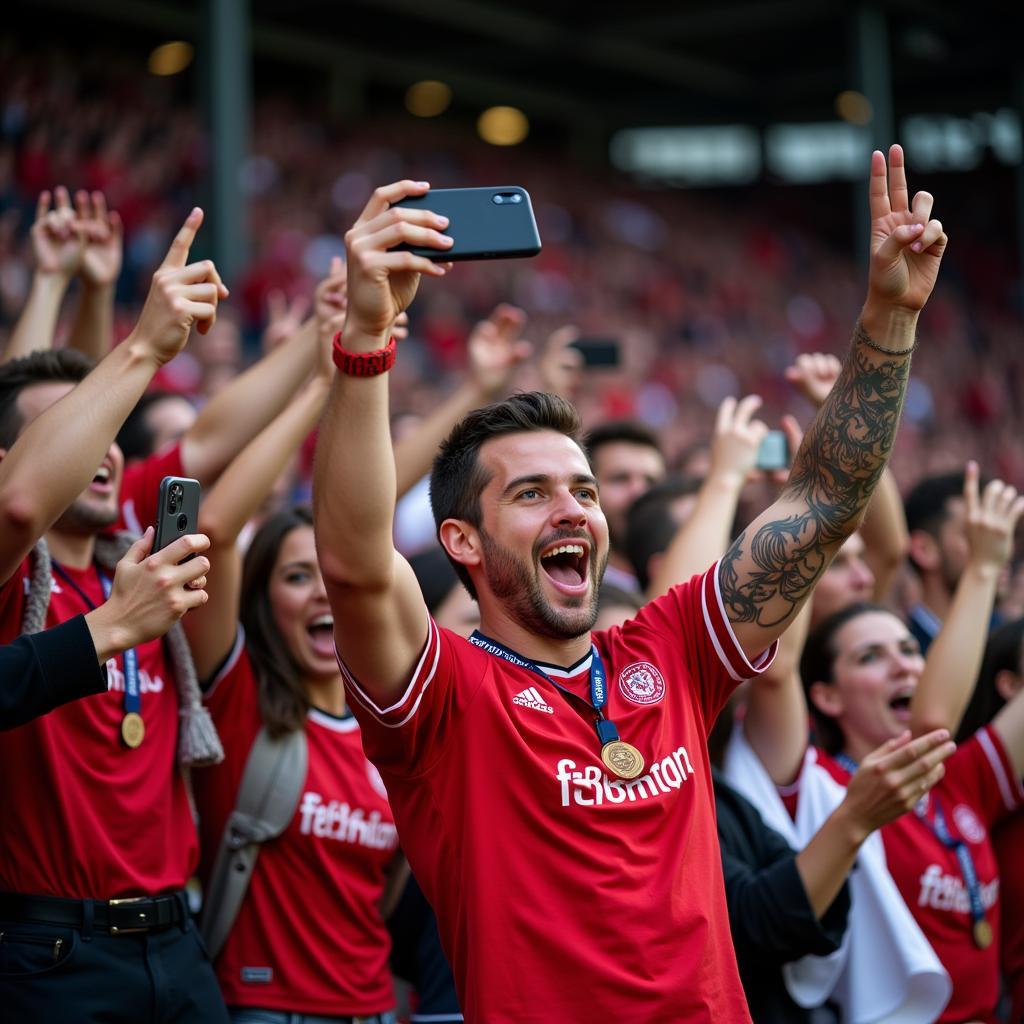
543 722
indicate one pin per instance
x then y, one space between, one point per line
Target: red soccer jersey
309 937
1008 839
83 816
563 894
977 792
140 488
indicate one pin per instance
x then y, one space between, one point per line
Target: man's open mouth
565 563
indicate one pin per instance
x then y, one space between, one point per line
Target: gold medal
622 759
982 934
133 729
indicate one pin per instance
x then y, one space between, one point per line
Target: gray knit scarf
198 742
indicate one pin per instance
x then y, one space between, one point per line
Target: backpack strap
267 797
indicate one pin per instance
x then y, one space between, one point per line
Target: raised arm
955 656
706 534
380 620
93 329
495 350
57 243
56 454
884 530
772 567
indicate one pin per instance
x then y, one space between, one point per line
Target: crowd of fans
726 326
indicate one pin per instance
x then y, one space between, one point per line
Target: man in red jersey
99 837
551 786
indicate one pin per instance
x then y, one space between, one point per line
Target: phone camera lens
498 198
172 504
515 198
182 522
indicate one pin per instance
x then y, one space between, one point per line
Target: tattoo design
765 577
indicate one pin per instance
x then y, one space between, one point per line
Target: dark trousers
56 973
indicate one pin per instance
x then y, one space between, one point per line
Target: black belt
119 917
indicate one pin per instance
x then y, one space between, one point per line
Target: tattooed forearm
766 576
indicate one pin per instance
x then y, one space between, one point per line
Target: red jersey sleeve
692 616
141 485
408 736
980 774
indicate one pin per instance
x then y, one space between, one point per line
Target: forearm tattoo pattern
763 578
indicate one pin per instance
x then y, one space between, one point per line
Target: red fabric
311 914
83 816
1009 843
977 792
561 893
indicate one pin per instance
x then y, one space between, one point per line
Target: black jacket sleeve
45 670
771 917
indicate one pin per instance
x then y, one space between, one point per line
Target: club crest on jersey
967 822
641 683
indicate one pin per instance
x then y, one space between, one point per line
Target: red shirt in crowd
309 937
562 893
978 791
1009 843
83 815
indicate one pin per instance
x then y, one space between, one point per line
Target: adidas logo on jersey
530 698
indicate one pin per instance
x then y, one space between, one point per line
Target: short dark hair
925 507
435 575
624 431
457 479
60 365
816 664
283 700
1003 652
649 523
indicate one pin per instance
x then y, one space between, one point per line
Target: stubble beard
517 583
83 517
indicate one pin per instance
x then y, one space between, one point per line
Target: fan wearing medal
561 885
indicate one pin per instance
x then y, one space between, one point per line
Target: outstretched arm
884 530
57 243
772 567
56 454
495 350
380 621
706 534
954 658
93 329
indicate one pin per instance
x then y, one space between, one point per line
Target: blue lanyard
940 830
606 730
132 697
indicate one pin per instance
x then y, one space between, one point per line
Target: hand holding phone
177 510
485 223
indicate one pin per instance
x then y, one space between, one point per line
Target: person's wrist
850 826
984 568
891 326
109 635
358 339
141 349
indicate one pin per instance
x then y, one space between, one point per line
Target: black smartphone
598 352
773 453
177 510
485 223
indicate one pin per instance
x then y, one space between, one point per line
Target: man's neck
935 597
74 550
550 650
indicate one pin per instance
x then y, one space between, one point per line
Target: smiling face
298 604
875 671
96 508
543 540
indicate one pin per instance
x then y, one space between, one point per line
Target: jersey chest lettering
590 785
340 821
147 683
942 891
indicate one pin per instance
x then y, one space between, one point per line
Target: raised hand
561 365
906 244
736 439
495 349
283 318
58 240
893 778
382 282
102 234
182 295
813 374
991 519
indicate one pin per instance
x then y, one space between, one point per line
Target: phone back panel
482 228
177 510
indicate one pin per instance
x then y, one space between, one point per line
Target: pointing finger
177 254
